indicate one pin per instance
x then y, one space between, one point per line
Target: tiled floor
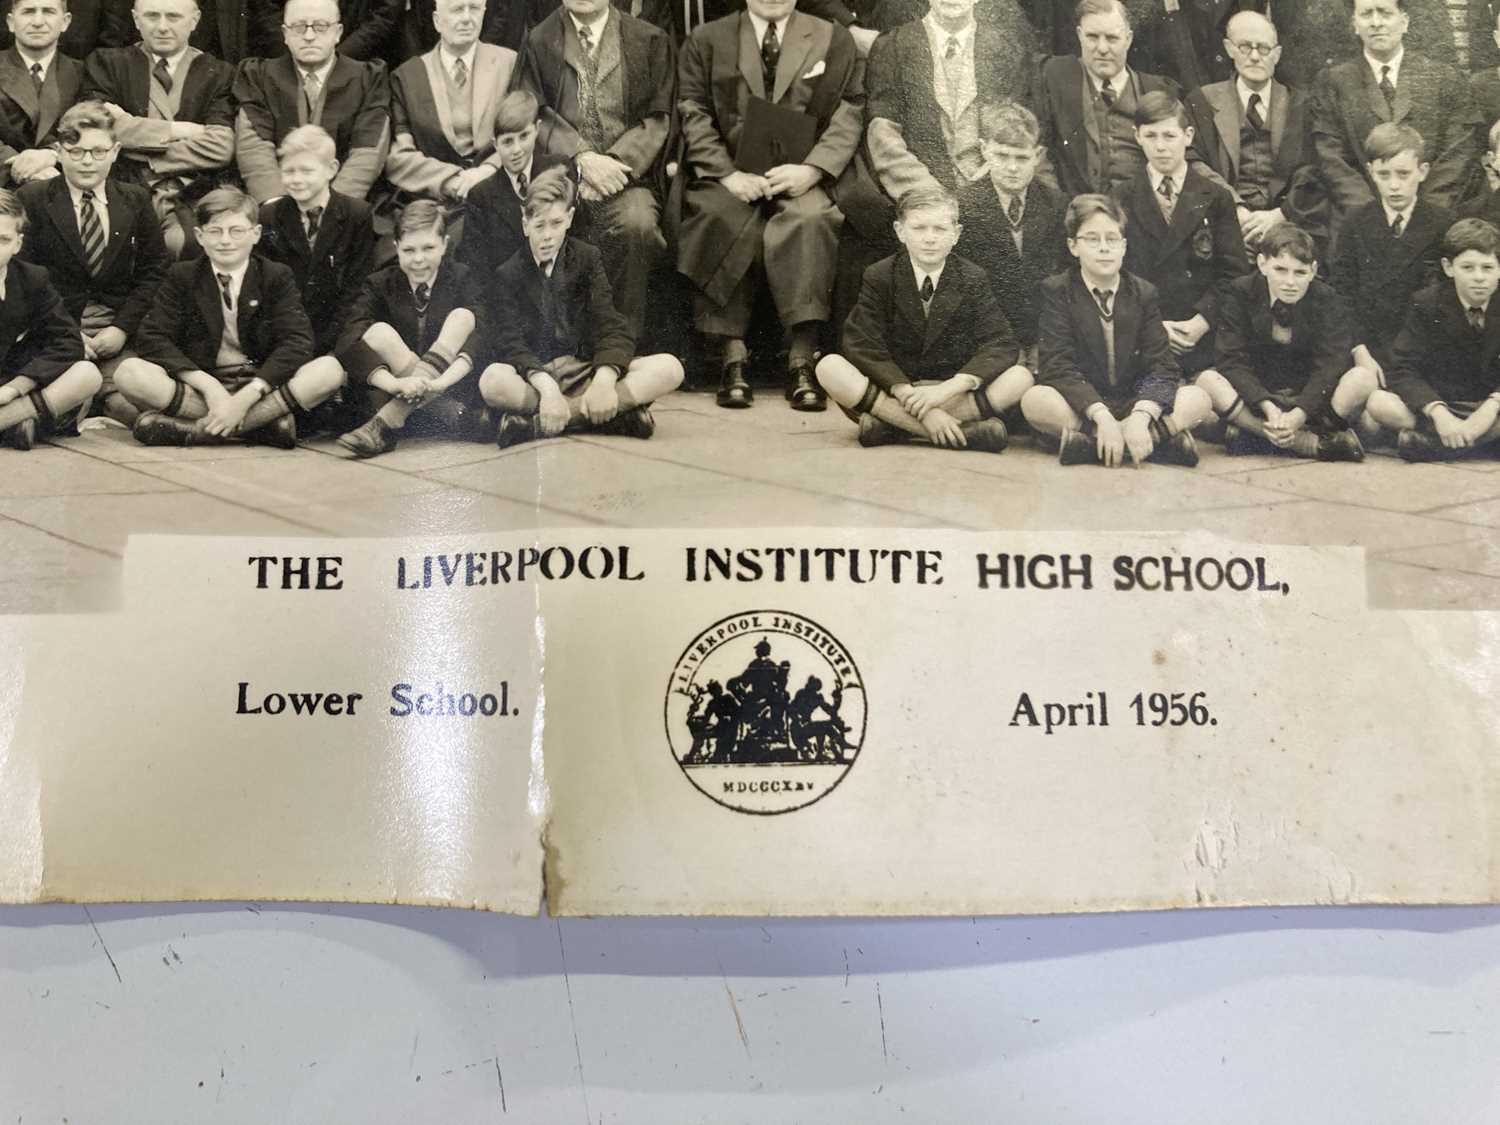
1432 532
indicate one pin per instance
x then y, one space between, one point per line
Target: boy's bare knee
459 320
86 375
324 375
130 374
382 337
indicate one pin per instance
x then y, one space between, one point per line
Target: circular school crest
765 712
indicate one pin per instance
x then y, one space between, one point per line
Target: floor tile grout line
62 538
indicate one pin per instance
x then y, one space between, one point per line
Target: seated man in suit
927 353
1086 106
312 86
173 115
101 244
37 82
1257 136
1391 84
91 24
604 80
777 222
1186 41
504 25
443 107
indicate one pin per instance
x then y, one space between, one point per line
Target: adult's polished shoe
370 440
155 428
635 422
515 429
734 390
21 436
986 435
280 434
803 391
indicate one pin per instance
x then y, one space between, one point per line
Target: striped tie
92 233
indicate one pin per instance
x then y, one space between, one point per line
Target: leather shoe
515 429
1414 445
1240 442
1341 445
1077 448
155 428
734 391
475 423
873 432
369 440
280 434
635 422
987 435
21 436
1179 449
803 392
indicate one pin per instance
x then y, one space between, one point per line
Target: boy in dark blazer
324 238
492 218
226 350
37 82
1390 247
1444 396
1186 232
1109 388
409 339
44 378
565 355
100 242
904 370
1282 379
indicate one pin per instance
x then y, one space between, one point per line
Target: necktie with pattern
163 74
1281 314
770 55
1387 87
927 288
1168 200
310 92
37 76
593 124
314 217
521 184
423 296
1252 114
1476 318
224 280
1107 95
1013 211
460 74
91 232
1397 225
952 51
1102 297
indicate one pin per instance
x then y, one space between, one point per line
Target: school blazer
329 273
423 155
572 313
1016 277
1072 356
492 220
185 326
1431 97
387 298
135 257
549 68
1437 357
1378 274
1255 364
28 119
1188 259
891 341
38 339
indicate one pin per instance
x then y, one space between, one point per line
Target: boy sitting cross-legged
1444 396
566 356
1283 378
226 350
1109 386
927 352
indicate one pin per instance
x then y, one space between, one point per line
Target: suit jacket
1255 364
689 15
1484 87
1431 97
904 123
386 298
1016 276
1066 127
504 26
423 152
1190 258
573 313
549 67
1296 185
28 119
1377 274
135 257
95 23
122 75
356 111
329 273
1438 357
1072 357
891 341
185 326
38 339
492 221
1317 34
664 14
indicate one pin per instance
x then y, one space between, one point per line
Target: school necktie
1168 202
224 280
310 92
37 76
1281 314
927 289
1387 87
1476 318
163 74
770 55
1013 211
422 295
91 230
1103 297
521 184
314 216
1252 114
1397 224
460 73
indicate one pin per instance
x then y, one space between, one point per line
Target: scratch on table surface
734 1007
846 967
500 1078
880 1007
103 946
583 1085
411 1060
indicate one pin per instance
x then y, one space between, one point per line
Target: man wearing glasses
312 86
1257 135
172 115
37 82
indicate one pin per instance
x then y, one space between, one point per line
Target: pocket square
818 68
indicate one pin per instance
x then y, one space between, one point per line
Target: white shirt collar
1112 288
100 199
322 202
920 274
431 282
1390 216
1178 178
448 58
172 61
1376 66
940 35
1116 84
1005 197
236 279
1245 91
320 72
546 270
760 28
515 183
595 26
45 60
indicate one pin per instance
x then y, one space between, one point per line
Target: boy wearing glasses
226 350
101 243
311 85
1109 388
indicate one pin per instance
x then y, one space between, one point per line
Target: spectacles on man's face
96 154
1094 241
1250 50
317 27
236 232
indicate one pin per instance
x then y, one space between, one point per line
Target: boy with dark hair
927 352
492 215
408 336
1187 232
101 243
1283 378
1444 396
226 350
566 357
1389 248
45 376
1109 387
1012 222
